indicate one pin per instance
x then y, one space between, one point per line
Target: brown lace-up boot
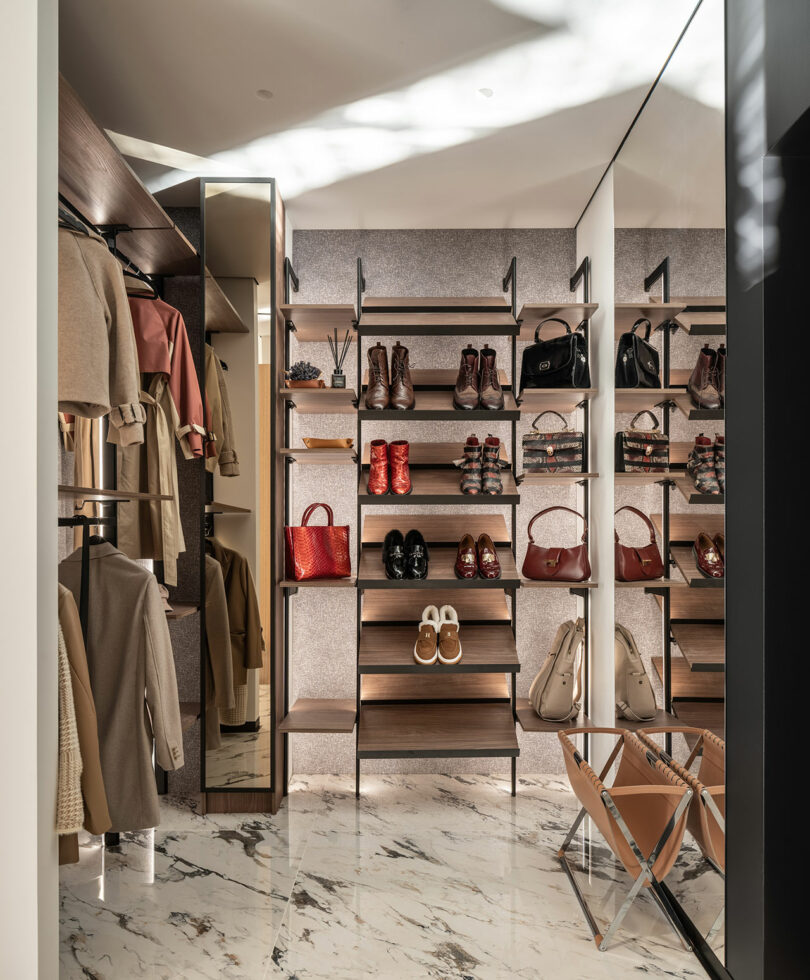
466 395
490 386
702 385
401 384
377 390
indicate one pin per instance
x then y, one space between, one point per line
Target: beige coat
96 814
132 675
152 528
98 360
244 621
69 808
219 663
221 448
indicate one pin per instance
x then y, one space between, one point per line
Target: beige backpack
635 699
555 692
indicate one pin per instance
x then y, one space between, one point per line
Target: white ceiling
384 113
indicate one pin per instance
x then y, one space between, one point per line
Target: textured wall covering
414 263
697 267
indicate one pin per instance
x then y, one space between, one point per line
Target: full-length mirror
237 232
670 415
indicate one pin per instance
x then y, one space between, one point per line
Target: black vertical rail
510 281
290 280
358 448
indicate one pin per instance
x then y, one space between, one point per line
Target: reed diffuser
339 353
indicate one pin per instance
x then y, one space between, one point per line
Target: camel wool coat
132 676
247 642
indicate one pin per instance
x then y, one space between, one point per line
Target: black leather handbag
637 359
558 363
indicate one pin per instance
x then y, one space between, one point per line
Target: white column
28 501
595 237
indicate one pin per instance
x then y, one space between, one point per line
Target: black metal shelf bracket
583 275
361 286
510 279
290 279
661 271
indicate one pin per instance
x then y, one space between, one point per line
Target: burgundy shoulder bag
557 564
638 564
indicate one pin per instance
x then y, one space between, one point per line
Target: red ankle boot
400 473
378 472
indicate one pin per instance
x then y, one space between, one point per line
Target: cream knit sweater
69 800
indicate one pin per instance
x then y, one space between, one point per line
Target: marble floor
243 759
425 876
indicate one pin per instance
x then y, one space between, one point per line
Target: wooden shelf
189 713
709 715
486 649
686 527
641 479
662 718
404 607
320 715
429 379
319 583
437 406
673 582
433 454
437 529
399 688
530 721
95 495
321 457
633 400
687 566
321 401
687 685
533 313
314 322
100 184
436 731
533 401
695 605
181 610
626 314
432 324
441 487
217 508
437 304
703 323
528 583
703 647
553 479
679 453
688 410
441 572
220 315
692 496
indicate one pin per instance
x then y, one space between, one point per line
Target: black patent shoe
393 555
416 555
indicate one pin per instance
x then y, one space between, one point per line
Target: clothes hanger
135 281
97 539
67 220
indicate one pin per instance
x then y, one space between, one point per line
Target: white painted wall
28 502
595 237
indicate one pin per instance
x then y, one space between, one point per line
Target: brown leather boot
490 386
466 395
401 384
377 390
702 384
721 372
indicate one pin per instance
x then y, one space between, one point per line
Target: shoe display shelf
692 606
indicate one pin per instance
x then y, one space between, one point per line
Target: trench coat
221 449
247 642
133 680
219 663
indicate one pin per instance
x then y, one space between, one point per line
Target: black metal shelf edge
438 415
441 753
440 500
434 584
443 670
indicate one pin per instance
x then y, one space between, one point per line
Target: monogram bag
553 452
642 450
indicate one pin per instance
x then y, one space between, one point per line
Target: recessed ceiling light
264 93
487 93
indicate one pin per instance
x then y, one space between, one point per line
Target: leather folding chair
707 814
642 817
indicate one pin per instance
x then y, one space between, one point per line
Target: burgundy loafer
488 565
707 556
466 561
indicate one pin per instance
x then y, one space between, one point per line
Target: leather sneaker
466 395
702 385
417 556
707 557
488 565
378 471
449 642
466 566
377 396
425 650
401 384
393 556
488 383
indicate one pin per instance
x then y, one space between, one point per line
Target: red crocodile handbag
638 564
317 551
557 564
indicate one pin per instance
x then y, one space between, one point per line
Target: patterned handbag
642 450
317 551
553 452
